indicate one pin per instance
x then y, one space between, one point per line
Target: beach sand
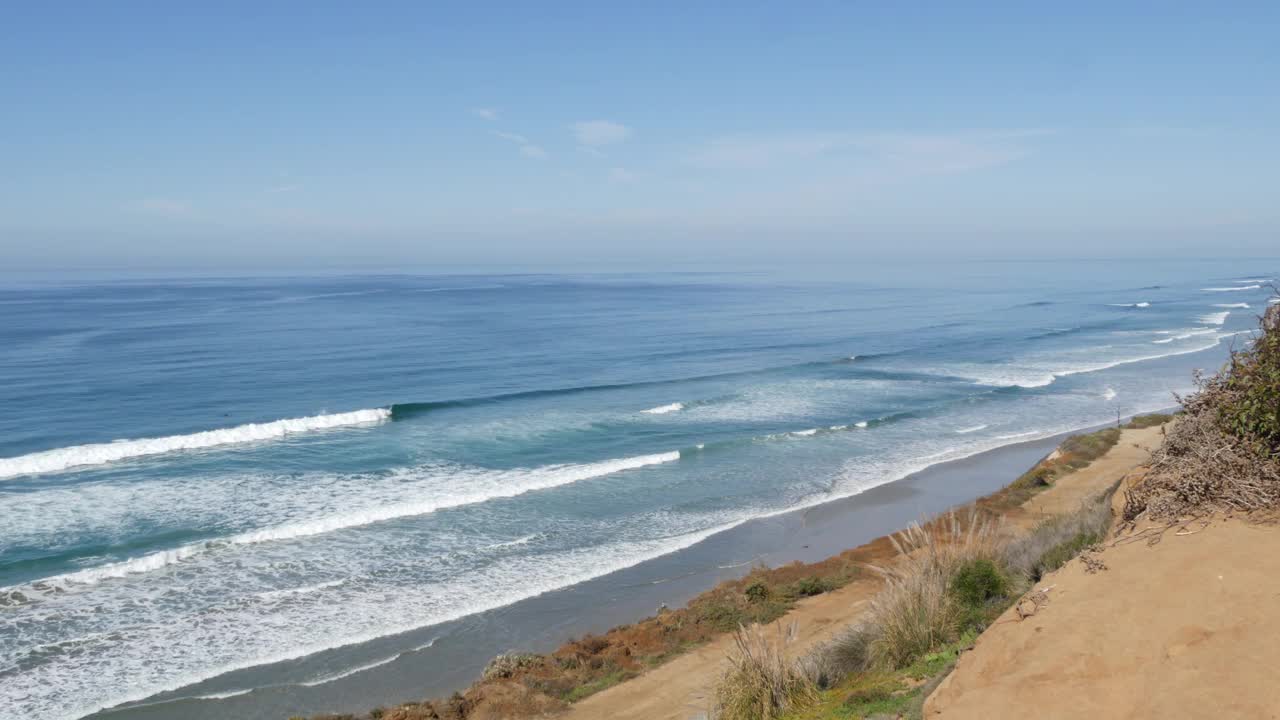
682 688
435 661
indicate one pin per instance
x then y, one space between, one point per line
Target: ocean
203 476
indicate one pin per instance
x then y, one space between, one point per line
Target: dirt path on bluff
682 689
1183 629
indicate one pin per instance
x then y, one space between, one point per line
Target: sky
358 135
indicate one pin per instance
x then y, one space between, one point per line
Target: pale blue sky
319 135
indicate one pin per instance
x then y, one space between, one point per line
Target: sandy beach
435 661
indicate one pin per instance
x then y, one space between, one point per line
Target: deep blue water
395 451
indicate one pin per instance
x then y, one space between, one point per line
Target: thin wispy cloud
621 175
527 149
485 113
598 133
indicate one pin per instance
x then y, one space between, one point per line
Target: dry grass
916 611
1224 452
1056 540
762 683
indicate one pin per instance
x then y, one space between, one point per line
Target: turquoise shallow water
200 476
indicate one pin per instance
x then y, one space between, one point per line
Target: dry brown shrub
1204 465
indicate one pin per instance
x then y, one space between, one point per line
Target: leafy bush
1224 451
757 591
978 581
1250 407
811 586
506 665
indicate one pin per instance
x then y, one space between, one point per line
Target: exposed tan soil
1185 628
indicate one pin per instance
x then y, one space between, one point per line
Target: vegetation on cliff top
1224 452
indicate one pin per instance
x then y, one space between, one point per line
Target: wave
504 484
664 409
1015 436
1054 332
104 453
1241 306
527 578
1109 394
1031 378
1131 305
367 666
1231 289
966 431
1217 318
1253 280
304 590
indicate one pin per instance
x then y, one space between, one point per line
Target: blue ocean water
202 475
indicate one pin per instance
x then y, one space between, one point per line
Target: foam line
103 453
1231 289
504 484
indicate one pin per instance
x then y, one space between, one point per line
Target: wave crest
104 453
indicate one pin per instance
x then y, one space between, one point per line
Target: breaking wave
502 484
664 409
103 453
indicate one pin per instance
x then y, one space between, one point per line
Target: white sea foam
664 409
935 456
805 433
513 543
1215 318
839 427
860 424
1109 394
1231 289
304 590
366 666
491 486
966 431
219 695
80 684
1014 436
103 453
1242 306
1131 305
1253 280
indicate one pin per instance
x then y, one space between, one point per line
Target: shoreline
409 666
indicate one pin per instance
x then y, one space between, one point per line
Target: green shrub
757 591
1060 554
1250 407
1137 422
811 586
977 582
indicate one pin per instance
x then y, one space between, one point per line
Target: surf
81 456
